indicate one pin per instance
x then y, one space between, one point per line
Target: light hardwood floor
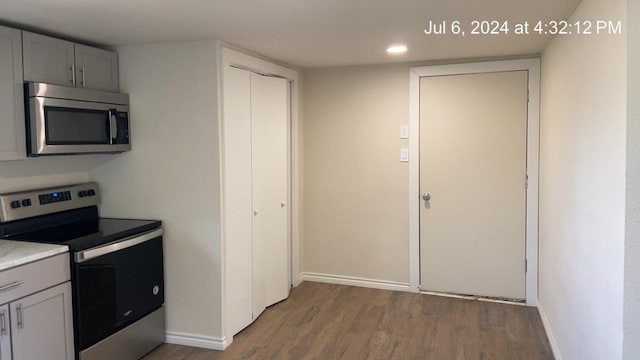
324 321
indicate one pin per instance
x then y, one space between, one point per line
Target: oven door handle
89 254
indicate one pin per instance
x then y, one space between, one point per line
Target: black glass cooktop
91 233
78 229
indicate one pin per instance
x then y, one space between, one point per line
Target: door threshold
497 300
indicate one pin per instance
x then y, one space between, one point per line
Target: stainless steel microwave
66 120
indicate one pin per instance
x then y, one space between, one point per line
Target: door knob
426 196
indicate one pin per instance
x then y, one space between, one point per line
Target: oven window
67 126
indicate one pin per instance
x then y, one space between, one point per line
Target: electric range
116 266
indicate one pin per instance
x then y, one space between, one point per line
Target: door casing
532 66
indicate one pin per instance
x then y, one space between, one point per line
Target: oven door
58 126
115 285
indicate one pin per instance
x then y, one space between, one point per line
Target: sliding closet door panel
269 118
237 199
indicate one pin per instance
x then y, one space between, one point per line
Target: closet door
255 195
237 199
269 133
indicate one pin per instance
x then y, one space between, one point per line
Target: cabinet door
96 68
47 59
5 333
42 325
12 140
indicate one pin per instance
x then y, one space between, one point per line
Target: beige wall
582 188
354 188
356 220
47 171
632 243
11 184
172 174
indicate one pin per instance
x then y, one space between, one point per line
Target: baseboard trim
354 281
547 329
200 341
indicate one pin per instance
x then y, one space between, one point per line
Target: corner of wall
547 328
583 127
170 173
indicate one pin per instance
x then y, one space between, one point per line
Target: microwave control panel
123 127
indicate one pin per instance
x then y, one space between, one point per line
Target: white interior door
237 199
255 174
269 129
473 165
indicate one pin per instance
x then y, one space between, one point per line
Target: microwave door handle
113 126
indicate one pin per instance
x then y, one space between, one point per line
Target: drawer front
30 278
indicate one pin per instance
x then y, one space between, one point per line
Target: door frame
532 66
230 56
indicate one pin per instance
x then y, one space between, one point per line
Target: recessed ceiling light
397 49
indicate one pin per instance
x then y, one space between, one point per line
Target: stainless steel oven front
69 121
118 297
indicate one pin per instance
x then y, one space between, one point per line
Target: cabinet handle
20 319
11 286
84 79
73 74
3 322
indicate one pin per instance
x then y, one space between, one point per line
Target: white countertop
16 253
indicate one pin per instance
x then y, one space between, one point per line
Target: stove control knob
82 193
15 204
91 192
26 202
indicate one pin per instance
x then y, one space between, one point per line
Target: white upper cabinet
47 59
54 61
12 139
96 68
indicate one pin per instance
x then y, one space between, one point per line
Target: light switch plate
404 131
404 155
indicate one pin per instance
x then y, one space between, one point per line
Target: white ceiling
305 33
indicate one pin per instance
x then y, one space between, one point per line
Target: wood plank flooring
324 321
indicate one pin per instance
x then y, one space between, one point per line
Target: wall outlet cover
404 131
404 155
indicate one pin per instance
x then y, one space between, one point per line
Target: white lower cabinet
36 315
41 325
5 333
